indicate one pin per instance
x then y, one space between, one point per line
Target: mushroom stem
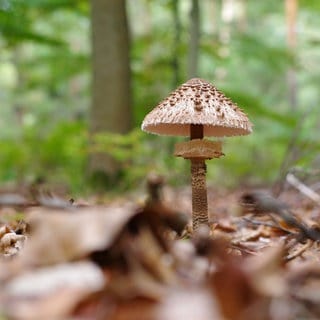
198 183
196 131
199 193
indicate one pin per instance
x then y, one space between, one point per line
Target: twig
242 248
299 251
265 204
295 182
275 225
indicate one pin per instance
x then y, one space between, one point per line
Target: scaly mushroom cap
197 102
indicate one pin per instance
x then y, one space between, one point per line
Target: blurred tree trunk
210 9
292 151
233 15
193 56
110 110
291 8
176 43
242 15
227 17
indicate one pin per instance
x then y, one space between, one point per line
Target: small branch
299 251
275 225
295 182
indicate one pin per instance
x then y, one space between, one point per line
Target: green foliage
255 108
139 154
58 155
16 24
18 216
310 4
45 89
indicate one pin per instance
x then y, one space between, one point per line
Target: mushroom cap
197 102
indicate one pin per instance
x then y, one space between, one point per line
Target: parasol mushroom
197 109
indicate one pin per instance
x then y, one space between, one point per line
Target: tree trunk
176 43
292 151
291 7
227 17
242 15
110 110
194 40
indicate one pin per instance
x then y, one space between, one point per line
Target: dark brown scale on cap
197 105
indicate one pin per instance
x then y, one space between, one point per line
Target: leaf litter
258 259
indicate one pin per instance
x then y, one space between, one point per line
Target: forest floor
137 259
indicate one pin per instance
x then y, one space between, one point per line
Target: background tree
111 97
176 43
291 9
193 55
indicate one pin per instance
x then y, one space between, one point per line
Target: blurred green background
54 85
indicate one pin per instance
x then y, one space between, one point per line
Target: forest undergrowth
133 258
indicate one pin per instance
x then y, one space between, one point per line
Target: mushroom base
199 193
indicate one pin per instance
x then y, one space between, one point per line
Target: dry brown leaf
188 304
246 234
304 281
11 243
51 292
226 225
149 252
234 292
189 265
55 307
138 283
266 271
135 309
58 236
